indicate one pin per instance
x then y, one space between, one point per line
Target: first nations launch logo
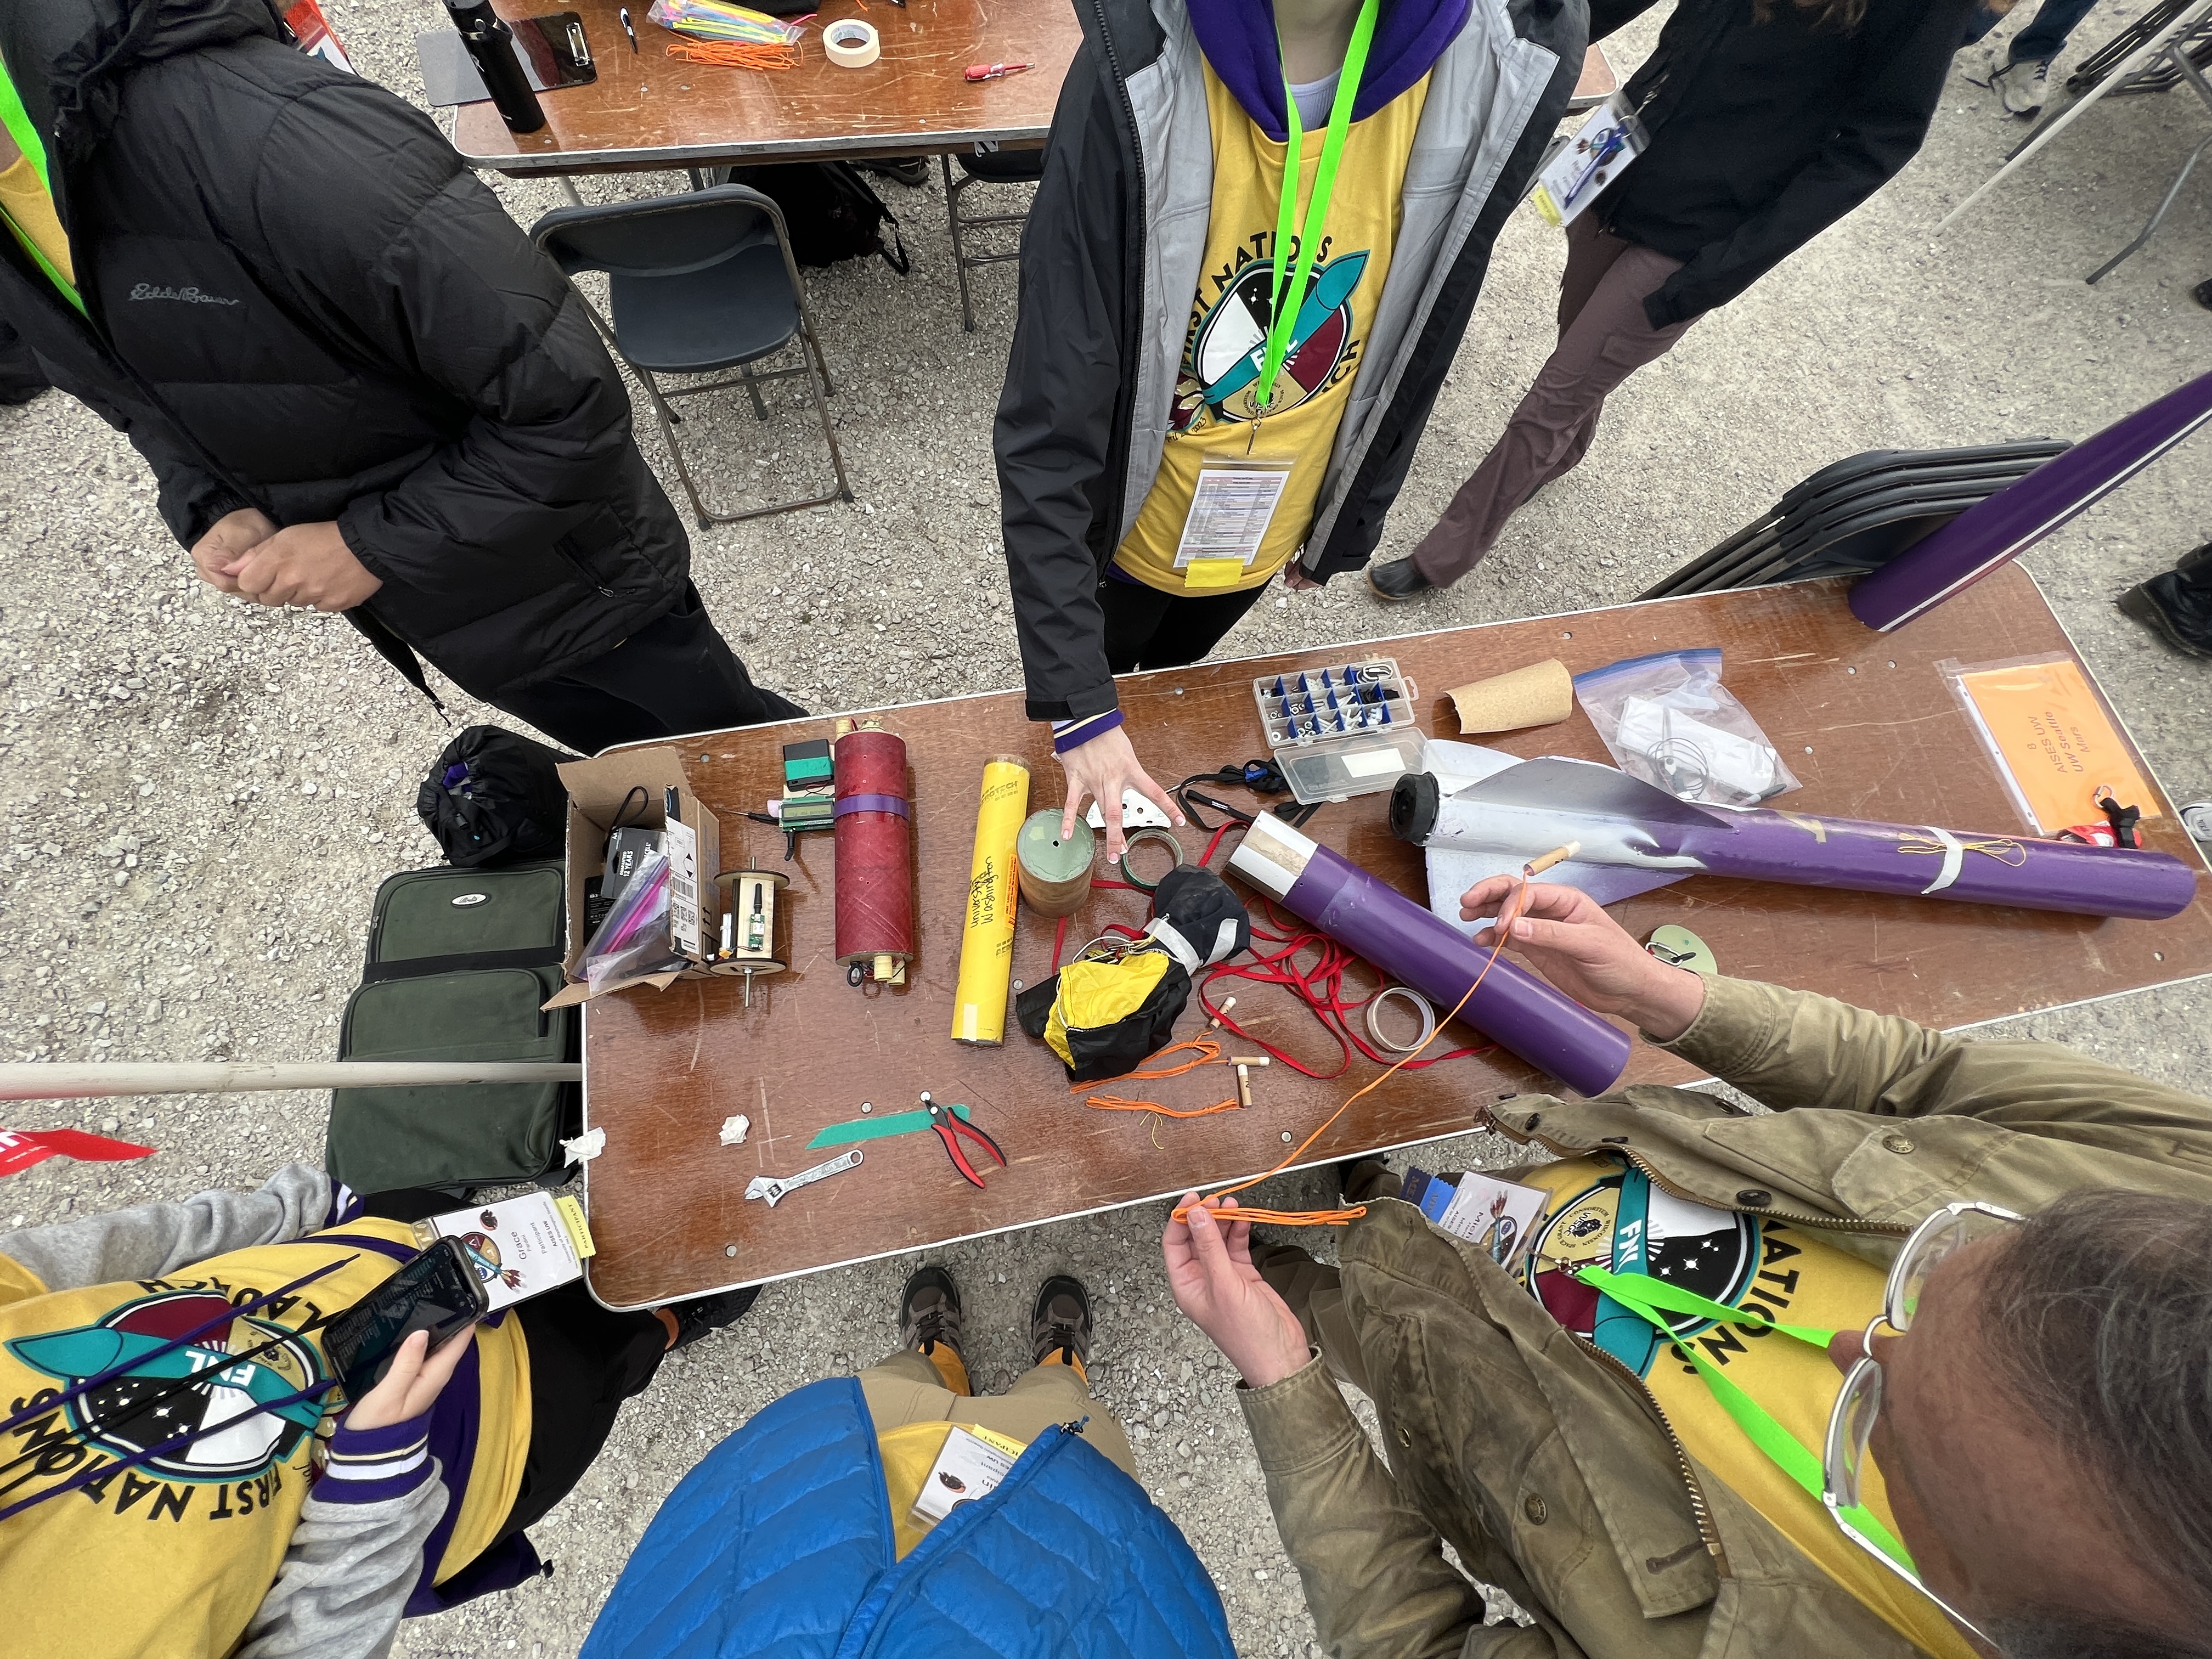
236 1418
1228 338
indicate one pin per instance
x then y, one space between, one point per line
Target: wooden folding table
1864 720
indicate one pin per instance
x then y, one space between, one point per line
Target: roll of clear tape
852 44
1420 1005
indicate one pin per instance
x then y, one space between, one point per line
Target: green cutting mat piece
878 1129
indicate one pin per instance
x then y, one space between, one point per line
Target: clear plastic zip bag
1667 719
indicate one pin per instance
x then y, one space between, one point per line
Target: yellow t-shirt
177 1553
1229 318
1605 1213
30 214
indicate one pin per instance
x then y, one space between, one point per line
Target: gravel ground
200 797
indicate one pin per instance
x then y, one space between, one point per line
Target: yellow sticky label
1213 573
570 1209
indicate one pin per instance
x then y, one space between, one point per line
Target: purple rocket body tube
1620 820
1368 916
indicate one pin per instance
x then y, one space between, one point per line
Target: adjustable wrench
773 1188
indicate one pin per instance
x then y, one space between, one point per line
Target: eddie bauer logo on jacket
191 296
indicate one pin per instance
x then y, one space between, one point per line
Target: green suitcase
459 963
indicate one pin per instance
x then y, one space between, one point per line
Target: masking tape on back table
852 44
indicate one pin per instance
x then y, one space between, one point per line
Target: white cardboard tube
91 1082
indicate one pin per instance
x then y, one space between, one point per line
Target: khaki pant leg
904 1388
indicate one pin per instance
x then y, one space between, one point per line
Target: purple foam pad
2005 524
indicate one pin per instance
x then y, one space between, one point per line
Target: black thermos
491 43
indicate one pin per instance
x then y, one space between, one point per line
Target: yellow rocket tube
986 937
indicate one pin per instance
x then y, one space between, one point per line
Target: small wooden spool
1055 874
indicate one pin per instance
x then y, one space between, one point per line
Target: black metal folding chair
997 167
697 283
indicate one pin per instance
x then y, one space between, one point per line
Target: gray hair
2097 1318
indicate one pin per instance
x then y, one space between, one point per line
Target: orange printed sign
2057 746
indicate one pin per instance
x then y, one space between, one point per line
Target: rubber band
735 54
2004 850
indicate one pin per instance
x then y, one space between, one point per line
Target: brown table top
649 110
1863 719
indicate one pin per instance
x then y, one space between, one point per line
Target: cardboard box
597 789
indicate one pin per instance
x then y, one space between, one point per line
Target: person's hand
1295 578
1568 939
1100 770
304 564
228 539
411 1384
1211 1273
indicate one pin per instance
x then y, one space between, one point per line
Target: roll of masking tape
852 44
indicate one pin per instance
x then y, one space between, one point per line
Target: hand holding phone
412 1383
437 1293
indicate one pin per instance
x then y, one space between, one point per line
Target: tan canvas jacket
1543 1463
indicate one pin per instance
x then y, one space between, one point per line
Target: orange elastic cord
1116 1103
1208 1050
735 54
1508 914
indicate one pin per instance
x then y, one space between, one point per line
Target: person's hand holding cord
1101 770
1210 1271
1568 939
300 564
229 539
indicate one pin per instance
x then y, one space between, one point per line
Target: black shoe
2203 294
929 1310
912 171
693 1319
1397 581
1061 1321
1359 1179
2162 606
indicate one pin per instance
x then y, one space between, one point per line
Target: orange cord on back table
735 54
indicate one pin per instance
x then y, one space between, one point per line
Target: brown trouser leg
1604 337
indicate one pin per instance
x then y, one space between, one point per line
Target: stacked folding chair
1856 515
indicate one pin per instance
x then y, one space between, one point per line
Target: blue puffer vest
779 1545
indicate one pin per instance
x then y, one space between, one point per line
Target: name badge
1230 508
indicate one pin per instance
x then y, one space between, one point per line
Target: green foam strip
878 1129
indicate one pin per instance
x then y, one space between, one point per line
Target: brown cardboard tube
1538 694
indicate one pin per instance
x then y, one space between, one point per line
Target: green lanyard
18 120
1289 292
1642 1294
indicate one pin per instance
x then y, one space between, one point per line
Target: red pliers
949 1127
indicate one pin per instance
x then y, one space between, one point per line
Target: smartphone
438 1291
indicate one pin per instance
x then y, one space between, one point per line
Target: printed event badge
1577 172
1231 505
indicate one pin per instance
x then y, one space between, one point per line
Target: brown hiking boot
1059 1323
929 1310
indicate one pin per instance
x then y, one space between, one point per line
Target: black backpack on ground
829 211
493 798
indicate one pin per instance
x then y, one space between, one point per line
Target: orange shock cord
735 54
1209 1054
1508 914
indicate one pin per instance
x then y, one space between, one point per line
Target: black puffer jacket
298 298
1764 134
